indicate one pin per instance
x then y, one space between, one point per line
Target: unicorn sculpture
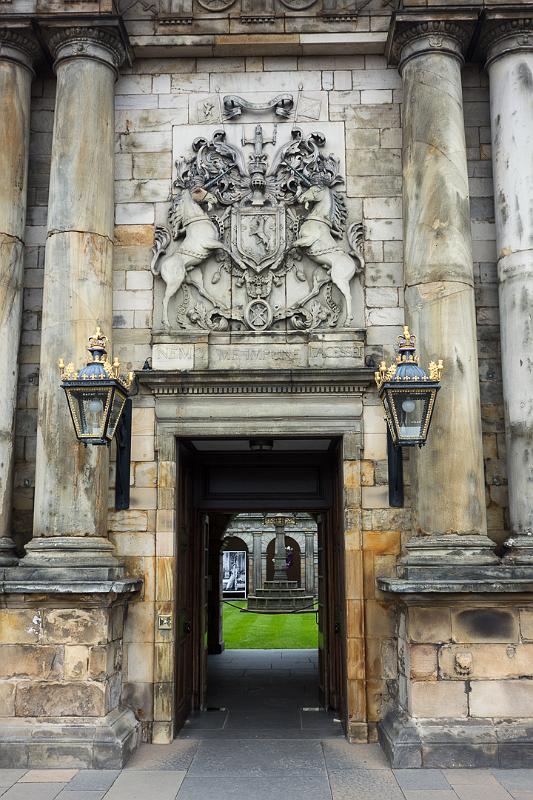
319 236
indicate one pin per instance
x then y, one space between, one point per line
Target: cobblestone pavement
264 737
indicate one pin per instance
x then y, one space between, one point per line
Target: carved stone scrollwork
240 227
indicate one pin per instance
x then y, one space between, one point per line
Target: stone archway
294 560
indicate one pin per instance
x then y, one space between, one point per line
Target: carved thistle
258 243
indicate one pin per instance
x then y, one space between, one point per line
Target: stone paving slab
140 785
421 779
248 758
287 787
10 776
48 775
176 756
342 755
513 779
259 769
424 794
482 792
33 791
93 780
365 784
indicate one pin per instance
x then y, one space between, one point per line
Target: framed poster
234 573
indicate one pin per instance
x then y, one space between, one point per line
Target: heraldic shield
258 242
258 236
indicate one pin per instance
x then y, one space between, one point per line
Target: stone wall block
31 661
429 624
485 625
7 698
50 699
486 661
20 626
526 623
438 699
76 661
423 662
163 701
504 699
76 626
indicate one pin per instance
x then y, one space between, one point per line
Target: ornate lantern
96 394
408 393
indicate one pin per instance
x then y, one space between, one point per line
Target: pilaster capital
506 35
415 37
93 43
19 46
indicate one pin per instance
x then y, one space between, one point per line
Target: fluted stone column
509 47
71 480
448 490
16 53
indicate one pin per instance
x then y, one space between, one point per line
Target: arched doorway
294 559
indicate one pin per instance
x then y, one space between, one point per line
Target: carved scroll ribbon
282 105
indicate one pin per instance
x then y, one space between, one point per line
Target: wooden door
202 637
322 617
336 593
184 587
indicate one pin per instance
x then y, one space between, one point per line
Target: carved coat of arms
257 244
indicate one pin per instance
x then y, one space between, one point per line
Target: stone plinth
279 596
465 674
61 675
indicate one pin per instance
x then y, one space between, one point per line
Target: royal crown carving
256 240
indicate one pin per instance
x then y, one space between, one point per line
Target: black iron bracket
395 463
123 442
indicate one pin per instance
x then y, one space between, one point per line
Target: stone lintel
319 381
435 30
208 45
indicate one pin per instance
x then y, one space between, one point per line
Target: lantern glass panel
411 412
89 409
116 410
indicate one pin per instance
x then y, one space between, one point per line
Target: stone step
280 585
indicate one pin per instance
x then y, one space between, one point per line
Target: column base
69 558
455 743
450 556
8 557
519 550
78 742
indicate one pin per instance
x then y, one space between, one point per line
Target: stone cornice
508 34
224 382
99 43
18 45
414 34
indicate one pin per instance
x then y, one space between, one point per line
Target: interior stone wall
156 99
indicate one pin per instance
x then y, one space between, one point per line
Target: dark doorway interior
291 690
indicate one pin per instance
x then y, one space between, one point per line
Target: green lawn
267 631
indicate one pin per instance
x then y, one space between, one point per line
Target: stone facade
438 252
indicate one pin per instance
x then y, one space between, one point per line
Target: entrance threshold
263 694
